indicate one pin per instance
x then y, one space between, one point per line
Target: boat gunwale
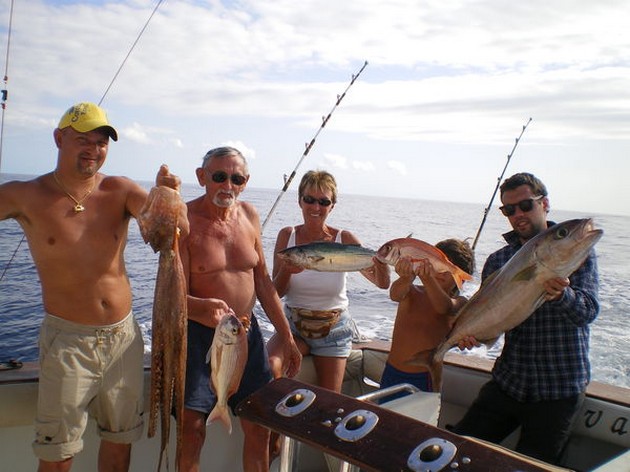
29 372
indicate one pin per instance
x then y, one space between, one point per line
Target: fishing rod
487 209
5 89
287 181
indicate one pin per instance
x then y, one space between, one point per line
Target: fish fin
436 360
539 302
221 413
490 342
526 274
488 279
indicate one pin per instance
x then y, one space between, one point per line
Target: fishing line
4 97
122 64
487 209
325 119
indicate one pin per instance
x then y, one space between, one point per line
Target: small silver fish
227 357
329 257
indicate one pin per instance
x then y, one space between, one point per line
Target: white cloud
363 165
446 81
246 151
398 167
337 161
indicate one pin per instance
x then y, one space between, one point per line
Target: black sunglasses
525 206
312 200
221 176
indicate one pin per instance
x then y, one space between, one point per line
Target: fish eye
562 233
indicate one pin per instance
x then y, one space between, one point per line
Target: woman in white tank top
316 303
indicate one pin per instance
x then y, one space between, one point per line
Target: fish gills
227 356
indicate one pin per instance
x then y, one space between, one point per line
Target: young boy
425 314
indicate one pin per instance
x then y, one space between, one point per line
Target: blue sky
448 88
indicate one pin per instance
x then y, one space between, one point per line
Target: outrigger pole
487 209
5 89
287 181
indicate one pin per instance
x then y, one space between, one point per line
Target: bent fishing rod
487 209
287 181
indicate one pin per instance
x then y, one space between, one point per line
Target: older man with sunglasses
225 268
540 378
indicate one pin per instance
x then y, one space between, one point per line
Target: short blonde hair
320 180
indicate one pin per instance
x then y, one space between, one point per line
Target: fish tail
221 413
436 362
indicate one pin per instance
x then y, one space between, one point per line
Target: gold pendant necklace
78 207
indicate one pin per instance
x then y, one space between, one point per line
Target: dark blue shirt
546 357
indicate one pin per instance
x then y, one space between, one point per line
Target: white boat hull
600 441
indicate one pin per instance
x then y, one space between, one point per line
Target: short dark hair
459 253
524 178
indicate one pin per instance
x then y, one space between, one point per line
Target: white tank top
316 290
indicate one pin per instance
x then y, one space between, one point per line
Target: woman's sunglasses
221 176
312 200
524 205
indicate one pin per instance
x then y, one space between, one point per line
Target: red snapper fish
393 250
159 221
510 295
227 357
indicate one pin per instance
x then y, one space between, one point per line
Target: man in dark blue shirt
540 378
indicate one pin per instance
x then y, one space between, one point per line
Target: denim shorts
199 395
338 342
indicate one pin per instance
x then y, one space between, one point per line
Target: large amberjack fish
159 222
227 357
329 256
393 250
510 295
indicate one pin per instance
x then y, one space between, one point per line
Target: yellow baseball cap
85 117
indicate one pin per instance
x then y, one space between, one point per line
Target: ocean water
374 220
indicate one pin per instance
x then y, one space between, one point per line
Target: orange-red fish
416 249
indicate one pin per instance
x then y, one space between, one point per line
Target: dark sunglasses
221 176
525 206
312 200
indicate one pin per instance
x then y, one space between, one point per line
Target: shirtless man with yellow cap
91 351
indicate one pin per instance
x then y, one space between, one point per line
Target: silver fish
227 357
510 295
329 257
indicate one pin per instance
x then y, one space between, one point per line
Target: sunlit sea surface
374 220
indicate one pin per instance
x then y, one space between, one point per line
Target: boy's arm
401 287
442 302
